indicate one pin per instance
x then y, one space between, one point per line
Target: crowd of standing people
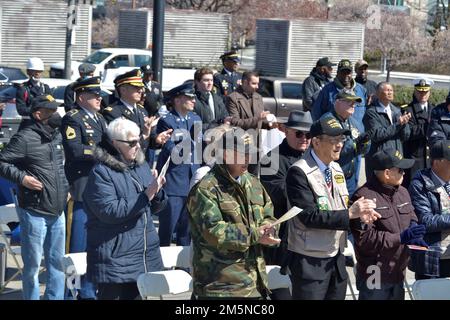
91 182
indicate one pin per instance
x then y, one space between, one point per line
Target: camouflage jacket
224 217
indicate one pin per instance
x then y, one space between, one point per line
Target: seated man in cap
228 79
430 194
153 95
439 128
231 216
86 70
34 160
129 87
325 100
274 168
381 247
318 78
182 150
362 71
316 236
417 145
83 129
32 88
355 144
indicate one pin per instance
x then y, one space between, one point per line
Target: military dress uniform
82 132
24 96
119 109
227 81
174 217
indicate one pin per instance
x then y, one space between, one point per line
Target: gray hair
121 129
381 85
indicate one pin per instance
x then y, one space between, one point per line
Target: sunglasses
131 144
300 134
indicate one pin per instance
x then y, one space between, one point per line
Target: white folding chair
276 280
349 251
74 266
431 289
8 214
168 282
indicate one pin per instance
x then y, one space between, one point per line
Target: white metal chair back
276 280
74 265
176 256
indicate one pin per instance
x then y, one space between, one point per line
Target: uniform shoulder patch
108 109
72 112
70 133
140 105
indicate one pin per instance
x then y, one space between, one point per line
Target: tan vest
319 243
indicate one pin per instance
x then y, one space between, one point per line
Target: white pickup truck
111 62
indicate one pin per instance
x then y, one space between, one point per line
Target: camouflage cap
349 95
345 64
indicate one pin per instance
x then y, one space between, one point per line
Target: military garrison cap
147 69
231 56
133 78
90 85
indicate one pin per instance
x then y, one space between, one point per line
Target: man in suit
228 80
316 236
153 96
182 151
417 146
208 105
246 109
130 87
83 128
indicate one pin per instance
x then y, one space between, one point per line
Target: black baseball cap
238 140
345 64
440 150
328 125
322 62
43 102
390 158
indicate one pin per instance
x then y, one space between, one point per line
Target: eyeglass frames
131 144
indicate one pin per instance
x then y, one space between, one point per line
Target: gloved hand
413 232
419 242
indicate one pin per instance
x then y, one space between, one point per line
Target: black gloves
413 233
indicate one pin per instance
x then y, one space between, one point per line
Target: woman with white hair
121 194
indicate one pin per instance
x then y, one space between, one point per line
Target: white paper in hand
288 215
164 168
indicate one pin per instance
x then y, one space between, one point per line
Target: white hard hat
35 64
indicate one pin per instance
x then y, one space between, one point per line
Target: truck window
265 88
120 61
141 60
291 90
97 57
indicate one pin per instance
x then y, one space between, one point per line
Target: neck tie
211 104
328 177
447 188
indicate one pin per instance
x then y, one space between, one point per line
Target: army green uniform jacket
224 218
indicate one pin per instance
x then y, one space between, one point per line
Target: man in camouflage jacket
230 216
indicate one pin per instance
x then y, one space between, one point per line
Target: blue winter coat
427 204
122 241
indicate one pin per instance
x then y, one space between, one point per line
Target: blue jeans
42 234
78 243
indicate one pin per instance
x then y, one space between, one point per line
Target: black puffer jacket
37 151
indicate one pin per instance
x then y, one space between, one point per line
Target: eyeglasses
336 140
131 144
300 134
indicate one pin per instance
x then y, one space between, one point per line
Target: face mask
37 80
55 120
